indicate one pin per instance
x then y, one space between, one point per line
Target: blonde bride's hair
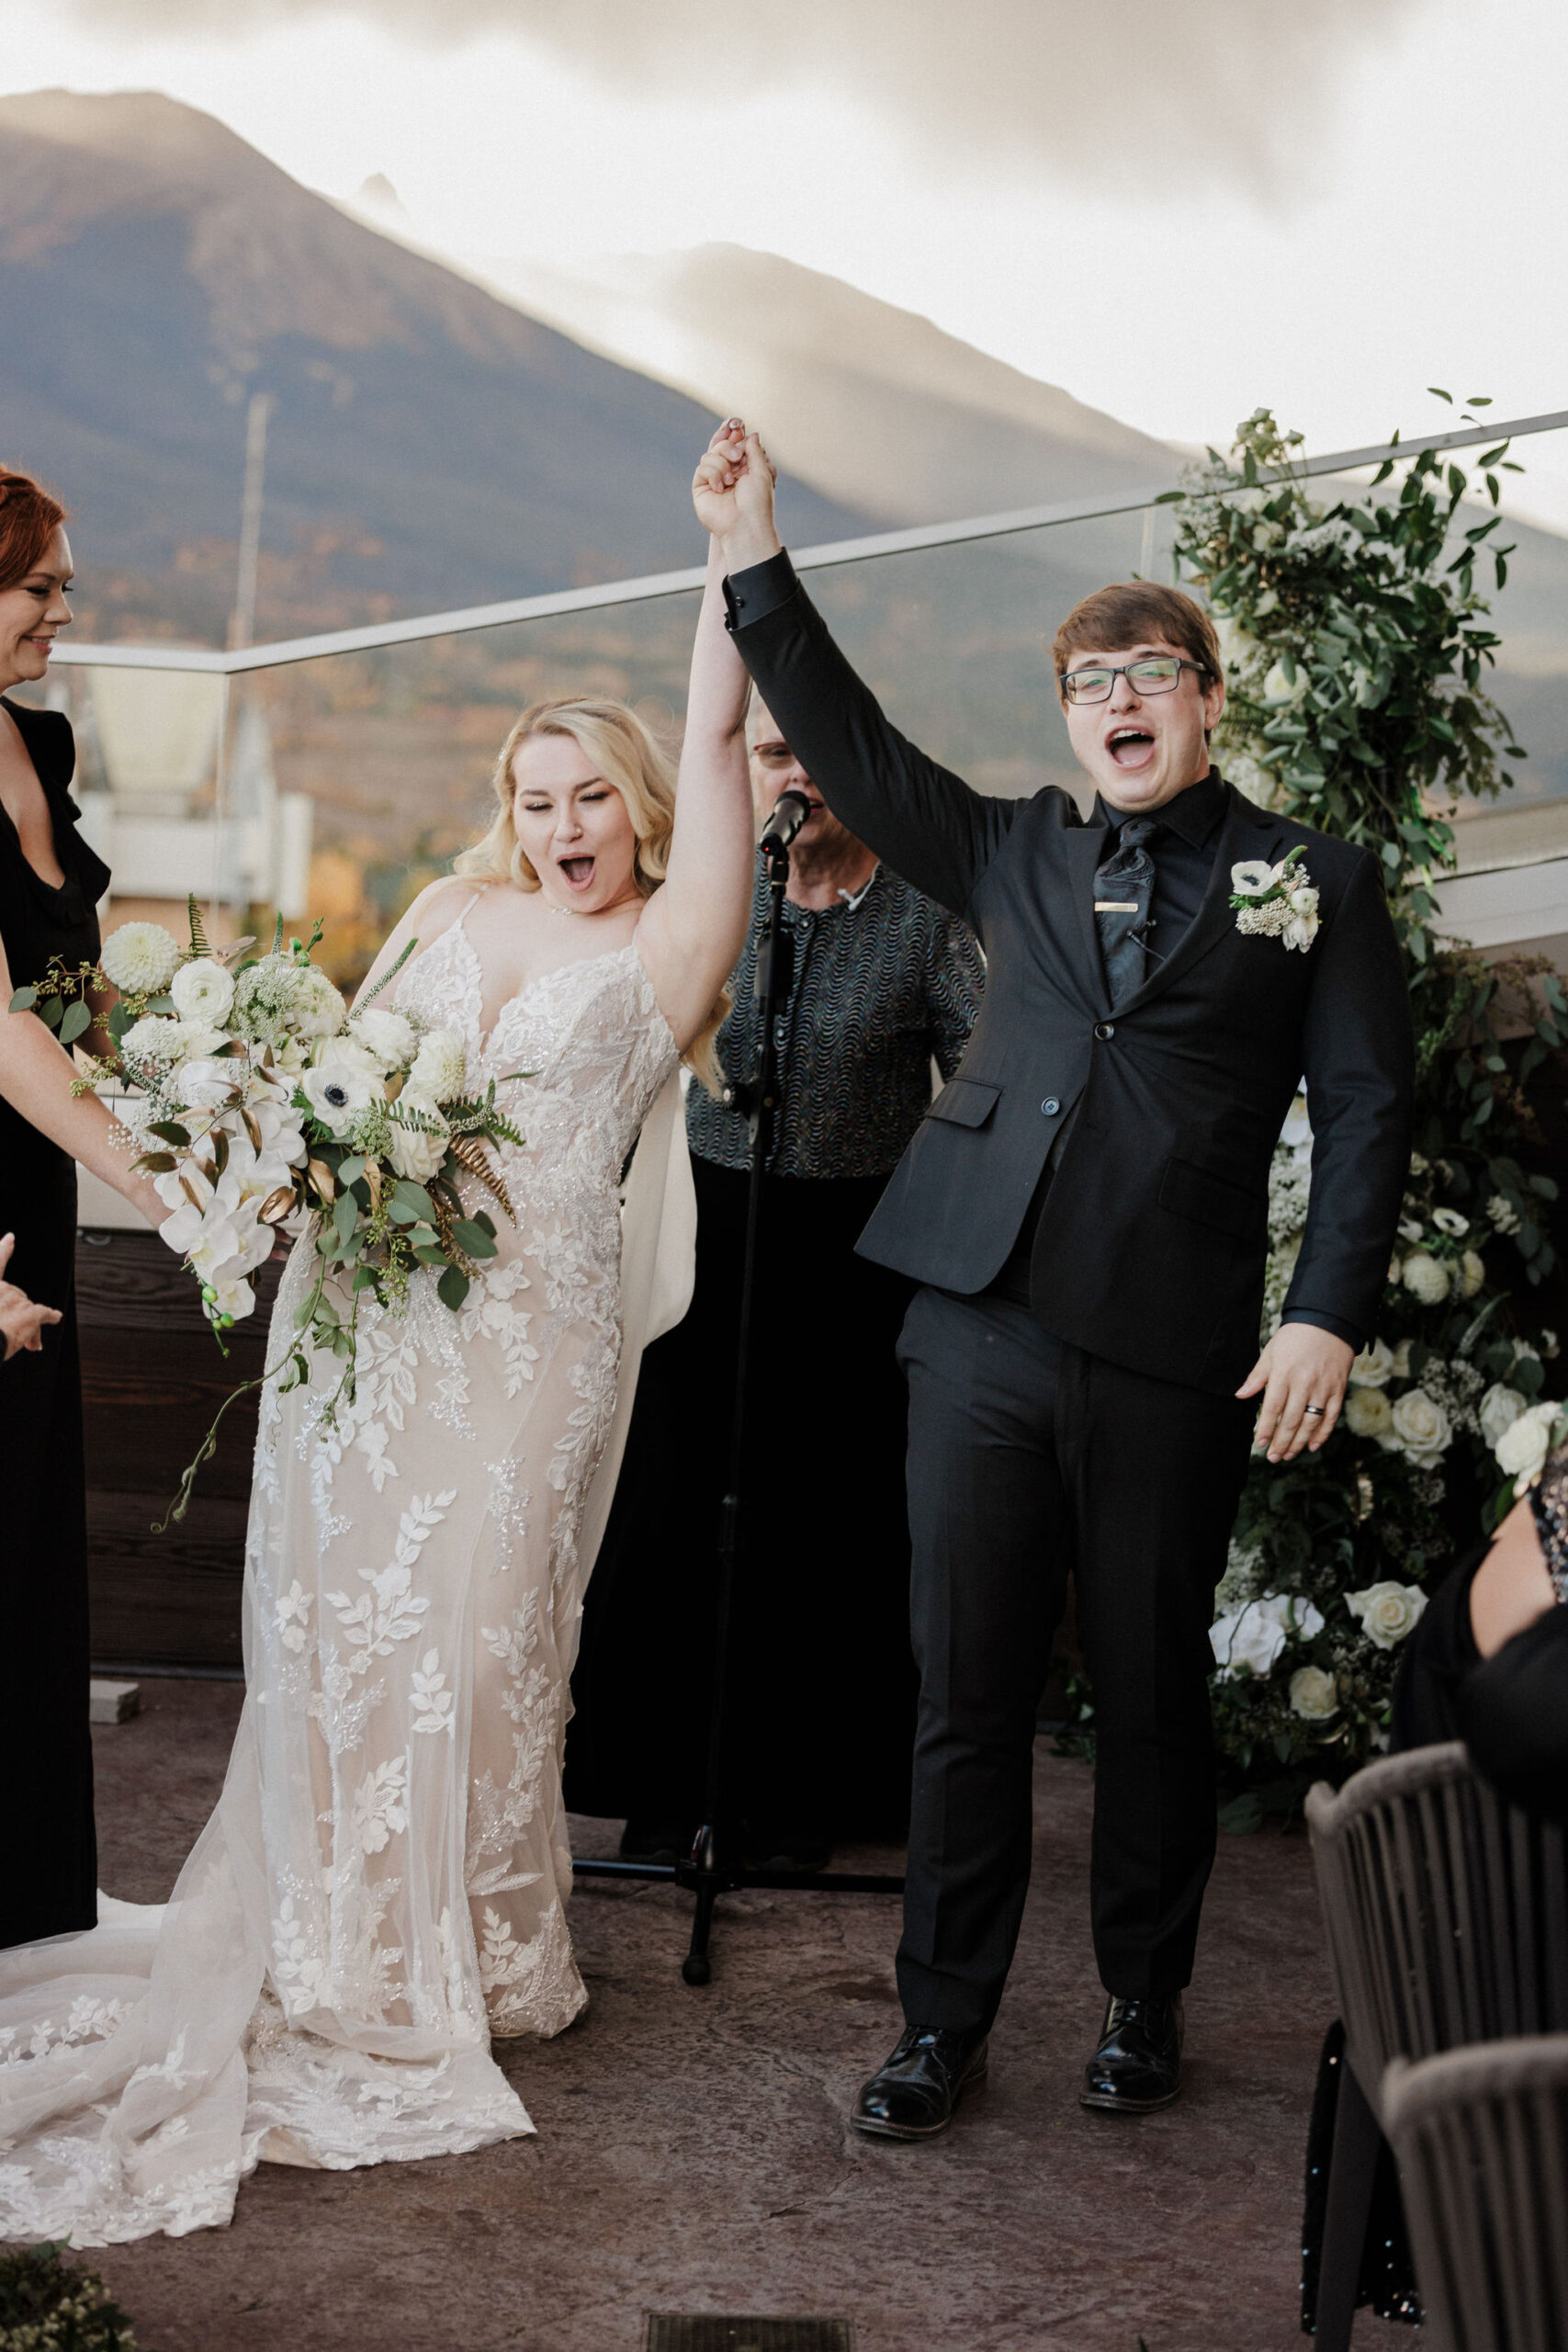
624 753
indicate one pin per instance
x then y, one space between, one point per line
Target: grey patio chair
1447 1918
1482 2138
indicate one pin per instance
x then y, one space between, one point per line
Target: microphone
790 812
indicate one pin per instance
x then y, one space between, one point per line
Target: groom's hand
1301 1367
732 491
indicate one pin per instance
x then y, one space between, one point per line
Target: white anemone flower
337 1096
1251 877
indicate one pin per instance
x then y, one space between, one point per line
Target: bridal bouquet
261 1103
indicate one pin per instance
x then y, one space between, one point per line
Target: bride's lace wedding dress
381 1888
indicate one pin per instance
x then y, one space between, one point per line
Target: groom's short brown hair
1131 611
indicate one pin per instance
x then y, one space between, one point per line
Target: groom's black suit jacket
1151 1244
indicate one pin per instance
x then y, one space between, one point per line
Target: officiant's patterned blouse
879 985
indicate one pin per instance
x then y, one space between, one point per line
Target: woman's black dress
49 1870
1511 1710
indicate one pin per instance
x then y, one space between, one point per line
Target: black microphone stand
715 1865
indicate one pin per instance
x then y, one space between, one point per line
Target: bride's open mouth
577 873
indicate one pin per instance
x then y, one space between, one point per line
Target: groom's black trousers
1029 1460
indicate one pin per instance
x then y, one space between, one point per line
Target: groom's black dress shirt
1150 1246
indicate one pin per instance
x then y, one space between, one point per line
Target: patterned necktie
1123 887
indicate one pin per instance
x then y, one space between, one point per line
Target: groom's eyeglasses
1160 673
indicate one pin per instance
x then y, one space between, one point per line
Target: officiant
880 981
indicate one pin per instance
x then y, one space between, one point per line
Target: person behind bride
380 1891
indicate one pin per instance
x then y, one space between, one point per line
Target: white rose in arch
1499 1409
1522 1449
1252 877
1368 1413
1472 1274
1373 1367
1426 1278
1422 1427
202 991
1386 1611
1313 1694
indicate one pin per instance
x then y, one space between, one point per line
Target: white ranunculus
1423 1429
346 1053
440 1069
139 958
416 1153
1373 1367
1522 1449
1425 1277
1499 1409
1253 1638
202 991
319 1010
1313 1694
205 1084
1472 1267
337 1096
1368 1413
1451 1222
389 1036
1251 877
1386 1611
1303 899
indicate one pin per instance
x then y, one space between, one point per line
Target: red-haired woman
50 882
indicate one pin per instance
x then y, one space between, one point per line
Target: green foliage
1357 645
44 2307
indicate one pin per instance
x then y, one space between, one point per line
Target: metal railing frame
240 660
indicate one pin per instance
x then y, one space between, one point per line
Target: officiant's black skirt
823 1680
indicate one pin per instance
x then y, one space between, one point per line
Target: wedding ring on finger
1317 1411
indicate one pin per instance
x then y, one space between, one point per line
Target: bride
380 1890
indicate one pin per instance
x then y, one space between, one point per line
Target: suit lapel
1238 838
1085 846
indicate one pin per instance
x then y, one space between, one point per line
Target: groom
1086 1204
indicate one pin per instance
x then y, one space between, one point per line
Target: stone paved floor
692 2154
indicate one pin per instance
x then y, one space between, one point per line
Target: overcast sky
1323 205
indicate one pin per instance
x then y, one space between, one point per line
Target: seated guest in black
1487 1664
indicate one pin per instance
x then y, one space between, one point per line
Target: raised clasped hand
1301 1368
732 491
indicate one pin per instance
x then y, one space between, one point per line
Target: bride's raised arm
695 923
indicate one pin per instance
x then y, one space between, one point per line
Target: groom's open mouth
1130 747
576 872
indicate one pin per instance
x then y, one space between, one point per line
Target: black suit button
1050 1106
1104 1029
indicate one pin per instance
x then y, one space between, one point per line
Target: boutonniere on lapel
1276 901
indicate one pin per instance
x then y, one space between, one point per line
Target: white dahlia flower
1425 1277
439 1070
139 958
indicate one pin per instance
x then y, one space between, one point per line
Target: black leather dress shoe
1137 2066
913 2096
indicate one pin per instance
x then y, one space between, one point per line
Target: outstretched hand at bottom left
20 1321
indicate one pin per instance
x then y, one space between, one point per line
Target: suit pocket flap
1212 1200
966 1102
